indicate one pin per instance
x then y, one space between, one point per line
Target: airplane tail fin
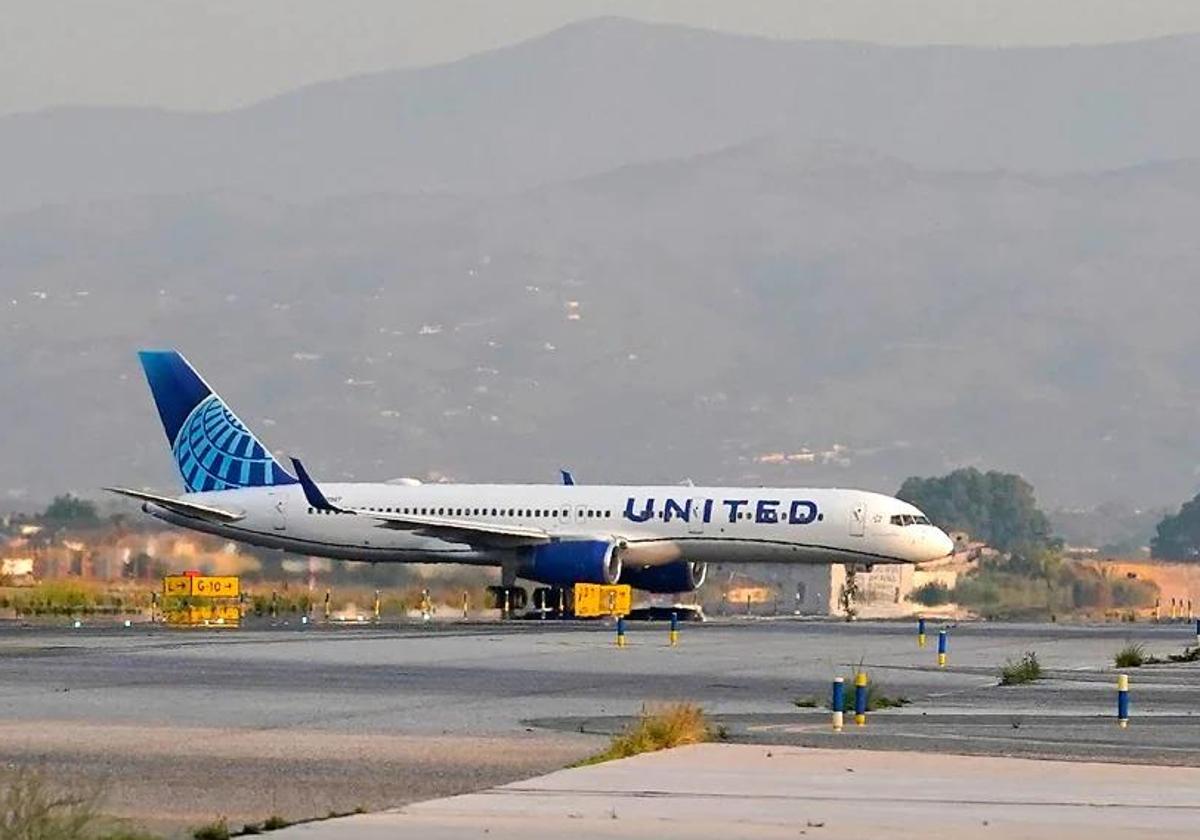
213 448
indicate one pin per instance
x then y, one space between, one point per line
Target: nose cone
939 544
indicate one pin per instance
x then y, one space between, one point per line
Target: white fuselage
653 525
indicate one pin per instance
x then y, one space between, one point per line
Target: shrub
933 594
1023 670
1130 656
33 809
656 729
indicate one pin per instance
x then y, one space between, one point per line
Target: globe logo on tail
216 452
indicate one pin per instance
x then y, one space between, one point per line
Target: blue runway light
673 635
1122 700
942 645
838 703
920 632
621 631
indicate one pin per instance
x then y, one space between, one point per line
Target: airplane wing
184 508
460 530
466 529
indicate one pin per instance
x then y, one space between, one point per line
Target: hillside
606 93
774 312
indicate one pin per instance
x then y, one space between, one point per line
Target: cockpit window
903 519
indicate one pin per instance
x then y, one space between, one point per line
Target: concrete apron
734 791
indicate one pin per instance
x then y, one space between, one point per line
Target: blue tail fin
213 448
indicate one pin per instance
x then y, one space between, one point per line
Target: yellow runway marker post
860 698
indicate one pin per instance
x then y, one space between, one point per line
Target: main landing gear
547 602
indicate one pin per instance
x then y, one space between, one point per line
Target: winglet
311 491
567 478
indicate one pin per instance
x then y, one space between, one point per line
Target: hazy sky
214 54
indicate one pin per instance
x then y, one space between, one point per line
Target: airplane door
858 519
279 511
696 519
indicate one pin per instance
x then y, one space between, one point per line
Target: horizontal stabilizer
184 508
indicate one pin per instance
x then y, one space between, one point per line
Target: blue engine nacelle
569 562
673 577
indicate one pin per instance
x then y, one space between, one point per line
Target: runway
300 721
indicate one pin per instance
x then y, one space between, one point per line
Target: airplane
656 538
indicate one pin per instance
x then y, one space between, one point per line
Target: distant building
816 589
17 570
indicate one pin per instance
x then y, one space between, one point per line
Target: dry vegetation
659 728
33 808
1023 670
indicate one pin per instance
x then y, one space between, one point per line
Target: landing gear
848 597
554 601
547 601
507 599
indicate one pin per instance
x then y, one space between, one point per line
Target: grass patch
1191 654
33 809
658 728
68 597
276 822
1134 656
1131 656
805 703
215 830
1023 670
877 698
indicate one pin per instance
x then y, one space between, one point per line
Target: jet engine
569 562
673 577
